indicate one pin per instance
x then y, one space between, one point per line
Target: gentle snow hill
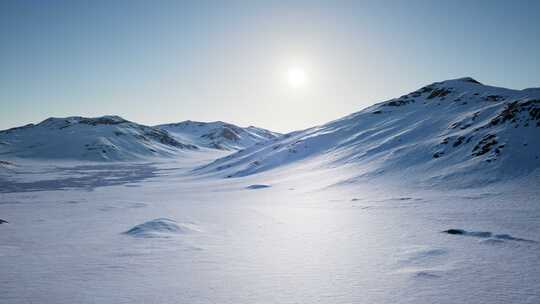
459 130
95 139
218 134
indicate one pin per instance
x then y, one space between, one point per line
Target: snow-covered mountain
456 129
96 139
332 207
218 134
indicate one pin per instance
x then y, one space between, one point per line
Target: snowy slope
154 232
218 134
95 139
456 129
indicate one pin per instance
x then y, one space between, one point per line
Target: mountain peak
466 79
458 82
94 121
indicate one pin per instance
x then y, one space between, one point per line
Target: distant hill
81 138
218 135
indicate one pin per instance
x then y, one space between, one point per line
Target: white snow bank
161 227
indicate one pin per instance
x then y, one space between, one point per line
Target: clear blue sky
167 61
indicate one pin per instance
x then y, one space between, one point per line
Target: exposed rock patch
257 186
486 235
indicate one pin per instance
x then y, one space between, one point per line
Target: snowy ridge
218 134
95 139
456 129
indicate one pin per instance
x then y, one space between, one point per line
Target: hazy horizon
271 64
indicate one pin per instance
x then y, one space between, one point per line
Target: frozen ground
157 233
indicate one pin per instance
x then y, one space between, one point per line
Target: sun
296 77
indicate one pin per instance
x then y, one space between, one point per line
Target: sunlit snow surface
305 238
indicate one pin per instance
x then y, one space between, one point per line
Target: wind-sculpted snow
457 130
423 262
420 254
218 135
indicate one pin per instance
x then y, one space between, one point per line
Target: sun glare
296 77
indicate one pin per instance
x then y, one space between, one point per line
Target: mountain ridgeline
456 129
112 138
218 135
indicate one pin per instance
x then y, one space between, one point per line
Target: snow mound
422 261
420 254
218 135
161 227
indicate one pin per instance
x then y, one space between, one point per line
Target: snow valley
431 197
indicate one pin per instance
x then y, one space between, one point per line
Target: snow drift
161 227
